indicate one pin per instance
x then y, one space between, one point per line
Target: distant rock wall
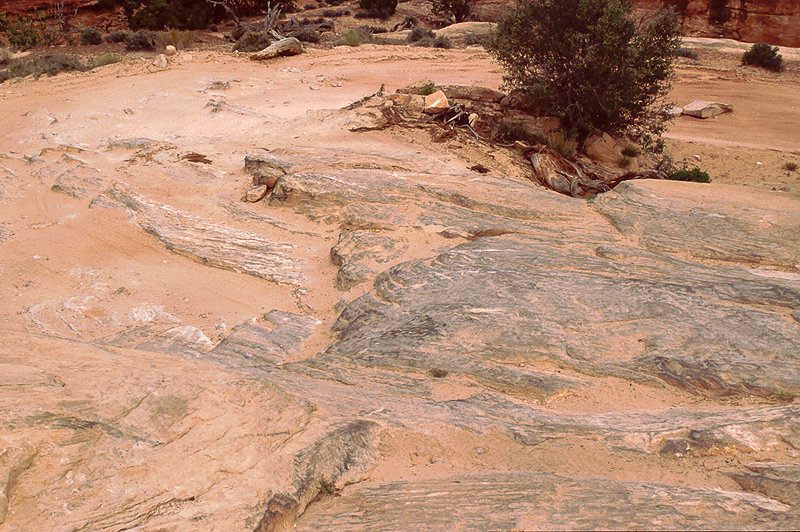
772 21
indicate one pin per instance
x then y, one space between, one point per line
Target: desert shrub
333 13
473 39
563 143
688 53
353 38
252 41
372 30
442 42
23 32
765 56
389 6
117 36
631 151
309 7
181 40
420 33
91 36
254 7
50 64
687 173
5 56
165 14
425 42
306 35
790 167
595 67
140 40
373 13
452 10
107 58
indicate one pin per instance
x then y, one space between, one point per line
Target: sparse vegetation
167 14
107 58
91 36
765 56
353 38
306 35
117 36
252 41
50 64
631 151
140 40
790 166
5 56
442 42
563 144
420 33
181 40
593 65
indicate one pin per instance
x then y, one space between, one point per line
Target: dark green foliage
373 13
453 10
166 14
595 67
420 33
765 56
389 6
140 40
689 174
252 41
91 36
256 7
333 13
23 32
50 64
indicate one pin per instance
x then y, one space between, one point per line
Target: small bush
442 42
631 151
309 7
117 36
107 58
790 167
598 68
91 36
563 144
23 32
181 40
353 38
420 33
252 41
689 174
688 53
389 6
5 56
765 56
140 40
333 13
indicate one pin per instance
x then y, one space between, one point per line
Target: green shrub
91 36
5 56
23 32
389 6
306 35
107 58
420 33
631 151
765 56
452 10
353 38
252 41
563 144
167 14
595 67
689 174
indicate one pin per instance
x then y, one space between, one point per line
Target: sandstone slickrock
704 109
505 357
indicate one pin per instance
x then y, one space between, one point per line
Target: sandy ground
66 260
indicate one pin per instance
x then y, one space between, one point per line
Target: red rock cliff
772 21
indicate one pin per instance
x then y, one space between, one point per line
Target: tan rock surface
388 325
